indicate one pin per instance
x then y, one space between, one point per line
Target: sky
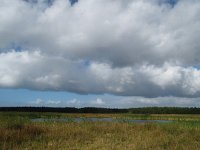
100 53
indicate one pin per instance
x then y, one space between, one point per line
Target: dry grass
99 136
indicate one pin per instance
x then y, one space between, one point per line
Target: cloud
53 102
32 70
42 102
130 48
37 101
73 103
98 102
131 102
118 102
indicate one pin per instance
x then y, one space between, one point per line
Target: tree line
143 110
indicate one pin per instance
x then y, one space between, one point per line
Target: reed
24 134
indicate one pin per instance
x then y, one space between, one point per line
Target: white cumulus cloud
147 48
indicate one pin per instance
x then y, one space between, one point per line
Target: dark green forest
143 110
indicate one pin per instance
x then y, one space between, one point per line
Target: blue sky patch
170 2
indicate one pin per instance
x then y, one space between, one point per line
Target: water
98 120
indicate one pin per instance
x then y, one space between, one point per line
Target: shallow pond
98 120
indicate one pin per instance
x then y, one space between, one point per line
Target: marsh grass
18 132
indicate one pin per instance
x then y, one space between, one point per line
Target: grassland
18 132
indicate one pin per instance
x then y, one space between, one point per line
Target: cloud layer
119 102
147 48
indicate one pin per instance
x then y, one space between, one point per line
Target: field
17 132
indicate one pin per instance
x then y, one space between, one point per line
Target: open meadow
19 132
